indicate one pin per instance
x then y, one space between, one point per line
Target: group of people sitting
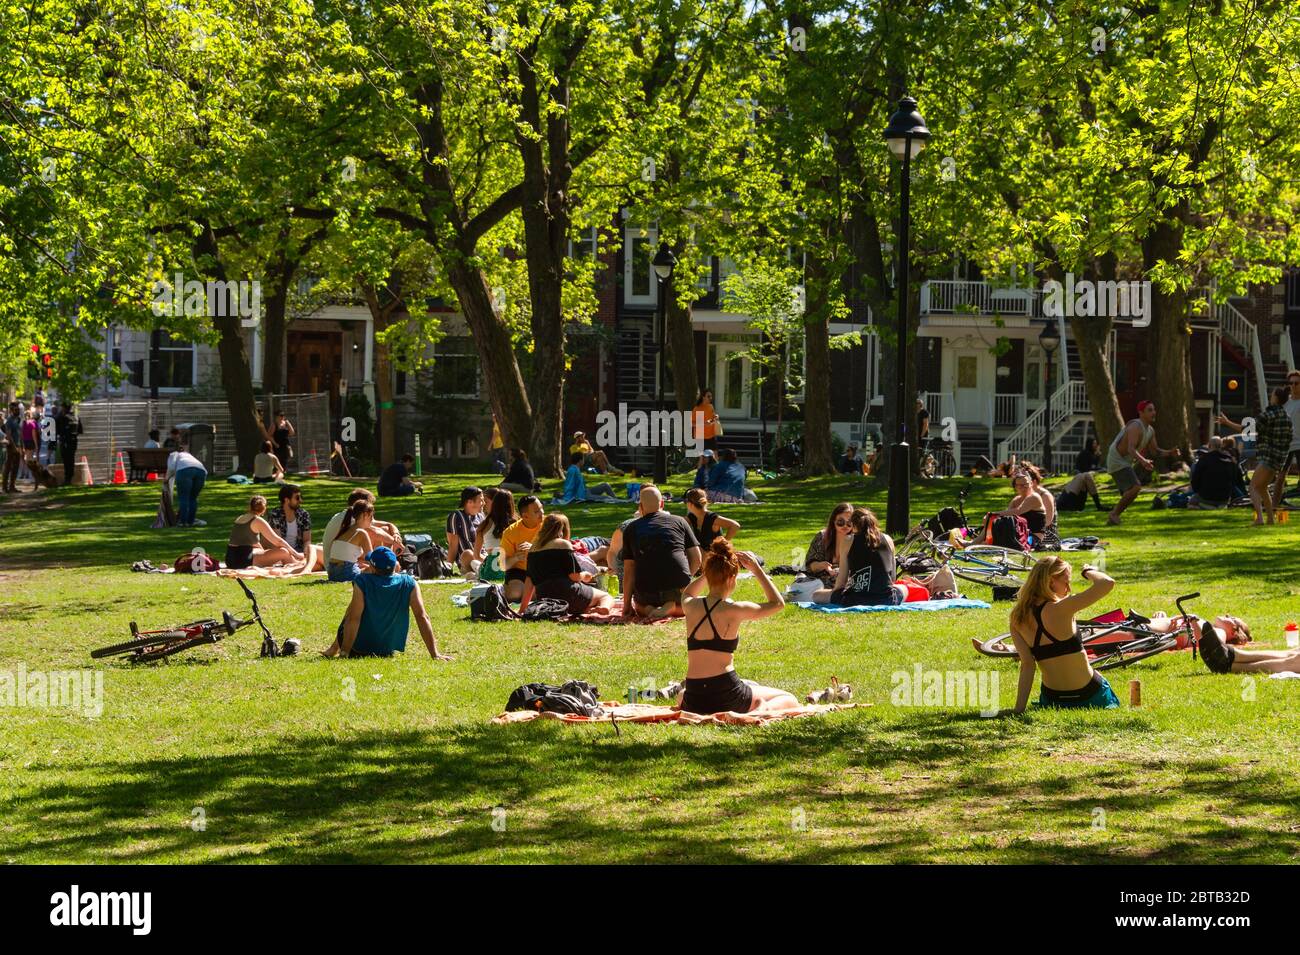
722 477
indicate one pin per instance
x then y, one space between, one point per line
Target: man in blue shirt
376 622
727 479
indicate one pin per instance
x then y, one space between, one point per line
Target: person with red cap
1126 455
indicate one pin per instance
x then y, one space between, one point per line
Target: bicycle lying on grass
145 646
1113 643
979 563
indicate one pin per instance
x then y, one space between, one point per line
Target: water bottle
612 581
1292 633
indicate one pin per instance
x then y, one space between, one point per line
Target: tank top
871 569
706 531
1114 460
243 535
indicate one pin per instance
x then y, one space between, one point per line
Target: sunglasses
843 523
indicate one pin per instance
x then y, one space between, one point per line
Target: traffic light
40 365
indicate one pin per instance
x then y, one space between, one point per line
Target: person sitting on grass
660 556
516 542
614 551
267 468
382 532
462 530
377 620
520 479
1216 477
713 626
576 489
292 521
254 543
554 573
707 525
591 458
866 571
703 468
823 557
346 556
1027 502
1042 616
852 462
395 480
727 480
501 514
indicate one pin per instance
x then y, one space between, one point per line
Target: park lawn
221 756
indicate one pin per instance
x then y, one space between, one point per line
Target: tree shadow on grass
924 787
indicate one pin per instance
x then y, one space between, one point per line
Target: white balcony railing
1243 331
1008 410
940 405
946 297
1069 400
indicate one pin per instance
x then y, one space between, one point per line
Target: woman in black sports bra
1042 625
1027 503
707 525
713 628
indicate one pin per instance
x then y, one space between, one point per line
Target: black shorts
1068 501
237 558
860 598
578 596
516 573
724 693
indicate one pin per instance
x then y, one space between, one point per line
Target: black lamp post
664 263
1049 338
906 135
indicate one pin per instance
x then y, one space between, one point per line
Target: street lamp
664 262
906 136
1050 339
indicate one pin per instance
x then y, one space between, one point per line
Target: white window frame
194 370
462 452
595 242
631 232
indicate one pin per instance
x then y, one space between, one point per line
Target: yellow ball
1232 384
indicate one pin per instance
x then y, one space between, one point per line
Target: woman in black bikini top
707 525
1068 679
713 621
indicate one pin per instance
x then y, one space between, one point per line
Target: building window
455 367
583 244
968 371
467 447
175 363
639 280
399 385
437 448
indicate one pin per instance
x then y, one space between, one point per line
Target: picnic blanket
648 713
956 603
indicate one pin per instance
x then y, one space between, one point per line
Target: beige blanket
648 713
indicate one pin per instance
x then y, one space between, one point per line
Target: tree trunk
681 347
274 328
817 457
1170 334
496 353
1090 335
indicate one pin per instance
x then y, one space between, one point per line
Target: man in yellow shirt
497 447
591 457
516 542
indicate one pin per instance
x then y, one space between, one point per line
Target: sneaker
198 523
671 691
1216 656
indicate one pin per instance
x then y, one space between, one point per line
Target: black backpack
432 563
545 608
576 696
491 605
1010 531
946 520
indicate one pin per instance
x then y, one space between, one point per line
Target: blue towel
957 603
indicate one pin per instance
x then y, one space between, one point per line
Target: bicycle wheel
1003 645
947 464
158 637
176 646
987 576
1010 559
1124 654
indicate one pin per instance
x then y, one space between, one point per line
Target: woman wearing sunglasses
822 559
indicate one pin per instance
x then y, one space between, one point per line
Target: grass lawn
222 756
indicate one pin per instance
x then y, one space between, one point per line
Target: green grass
309 760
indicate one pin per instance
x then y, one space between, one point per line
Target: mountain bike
1111 642
978 563
146 646
937 459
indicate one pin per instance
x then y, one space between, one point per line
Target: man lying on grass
376 622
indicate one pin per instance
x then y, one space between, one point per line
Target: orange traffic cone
90 475
314 467
119 472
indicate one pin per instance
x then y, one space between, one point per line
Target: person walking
13 431
67 430
1272 443
1292 409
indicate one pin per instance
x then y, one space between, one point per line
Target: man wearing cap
591 458
377 621
1126 455
707 460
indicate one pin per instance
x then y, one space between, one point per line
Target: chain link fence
110 425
